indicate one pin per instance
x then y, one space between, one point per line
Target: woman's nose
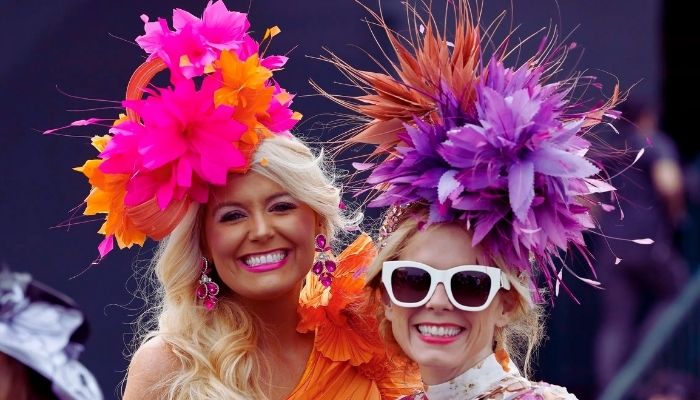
439 300
261 228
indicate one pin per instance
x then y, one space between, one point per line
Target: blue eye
282 207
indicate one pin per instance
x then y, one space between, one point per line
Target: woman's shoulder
550 392
153 362
416 396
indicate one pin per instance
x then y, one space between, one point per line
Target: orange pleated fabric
349 361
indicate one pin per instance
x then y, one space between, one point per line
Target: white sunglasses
469 287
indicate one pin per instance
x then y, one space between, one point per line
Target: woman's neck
286 350
432 375
279 316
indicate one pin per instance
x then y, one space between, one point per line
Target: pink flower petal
184 174
165 195
106 245
182 19
223 29
274 62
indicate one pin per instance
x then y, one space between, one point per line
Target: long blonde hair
520 338
218 349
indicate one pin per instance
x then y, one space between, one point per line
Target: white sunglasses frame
497 276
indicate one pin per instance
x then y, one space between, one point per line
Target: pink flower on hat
184 144
196 43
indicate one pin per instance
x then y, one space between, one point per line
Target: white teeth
269 258
432 330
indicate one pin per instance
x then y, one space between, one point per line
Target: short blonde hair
520 338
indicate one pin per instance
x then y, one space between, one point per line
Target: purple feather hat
504 152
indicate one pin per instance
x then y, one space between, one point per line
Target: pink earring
207 289
324 266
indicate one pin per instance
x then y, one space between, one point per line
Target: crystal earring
324 266
207 289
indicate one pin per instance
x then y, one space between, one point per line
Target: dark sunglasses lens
410 284
471 288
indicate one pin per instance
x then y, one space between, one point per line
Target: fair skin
471 333
261 243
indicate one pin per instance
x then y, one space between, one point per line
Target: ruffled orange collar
342 315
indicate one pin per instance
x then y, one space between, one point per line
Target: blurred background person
669 386
691 224
639 281
42 333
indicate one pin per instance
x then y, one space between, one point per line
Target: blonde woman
249 302
487 170
469 324
257 235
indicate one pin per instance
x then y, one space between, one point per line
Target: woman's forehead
441 246
247 187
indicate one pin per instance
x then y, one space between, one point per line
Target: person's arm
152 364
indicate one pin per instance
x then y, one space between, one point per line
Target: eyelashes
231 216
279 207
283 206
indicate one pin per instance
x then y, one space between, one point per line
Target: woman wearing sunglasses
487 173
456 313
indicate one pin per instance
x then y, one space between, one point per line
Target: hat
44 330
480 138
172 144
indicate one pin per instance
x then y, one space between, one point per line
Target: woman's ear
204 249
203 244
386 303
508 305
388 311
320 226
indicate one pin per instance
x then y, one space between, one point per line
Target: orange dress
349 361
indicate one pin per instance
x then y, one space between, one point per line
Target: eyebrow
270 198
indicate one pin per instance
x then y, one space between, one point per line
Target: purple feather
513 171
521 191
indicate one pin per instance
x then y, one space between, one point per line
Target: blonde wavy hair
218 349
520 338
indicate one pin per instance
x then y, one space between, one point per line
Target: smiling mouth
439 331
257 260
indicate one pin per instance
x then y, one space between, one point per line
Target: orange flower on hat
179 141
246 89
107 197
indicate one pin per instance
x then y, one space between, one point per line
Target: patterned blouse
488 380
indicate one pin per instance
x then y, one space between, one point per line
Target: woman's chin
438 360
